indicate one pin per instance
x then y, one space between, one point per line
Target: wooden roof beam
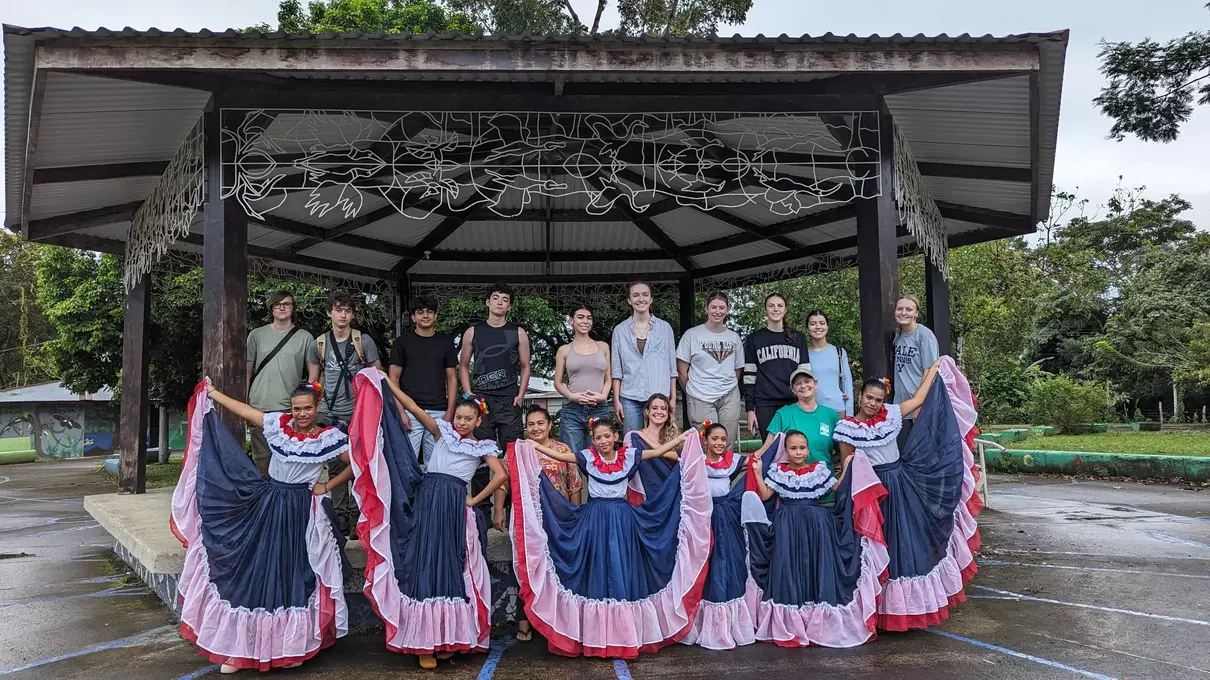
48 227
88 173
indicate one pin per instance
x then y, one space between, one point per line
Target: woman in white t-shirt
709 360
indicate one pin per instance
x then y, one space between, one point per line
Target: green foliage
1152 86
517 17
1065 403
23 328
680 17
371 16
80 295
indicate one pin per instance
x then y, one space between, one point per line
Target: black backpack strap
341 361
272 353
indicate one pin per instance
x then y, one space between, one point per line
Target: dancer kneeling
819 568
608 578
426 575
264 573
931 504
727 615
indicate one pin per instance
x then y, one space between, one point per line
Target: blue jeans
420 437
633 412
573 424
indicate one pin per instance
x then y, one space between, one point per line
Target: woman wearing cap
817 567
931 502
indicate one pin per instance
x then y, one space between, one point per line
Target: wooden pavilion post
132 417
687 303
937 303
877 257
225 279
403 303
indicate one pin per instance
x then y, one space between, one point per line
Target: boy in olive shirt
276 365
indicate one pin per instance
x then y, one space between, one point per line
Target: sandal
428 662
525 635
445 655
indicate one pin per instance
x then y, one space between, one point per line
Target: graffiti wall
64 430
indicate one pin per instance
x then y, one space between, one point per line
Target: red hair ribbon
478 401
886 382
316 387
705 426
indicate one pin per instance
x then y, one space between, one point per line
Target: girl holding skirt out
426 575
262 585
608 578
931 504
819 568
726 618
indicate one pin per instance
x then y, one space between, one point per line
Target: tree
680 17
1152 86
370 16
23 328
518 17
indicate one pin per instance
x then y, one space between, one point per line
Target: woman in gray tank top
586 364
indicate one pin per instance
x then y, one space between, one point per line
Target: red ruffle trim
881 416
723 463
899 623
561 644
290 432
327 625
785 467
604 468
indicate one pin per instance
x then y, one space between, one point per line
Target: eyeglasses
283 305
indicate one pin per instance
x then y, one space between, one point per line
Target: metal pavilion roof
110 108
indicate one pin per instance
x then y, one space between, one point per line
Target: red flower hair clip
886 382
315 387
479 402
705 427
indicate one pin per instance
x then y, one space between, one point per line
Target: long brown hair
670 429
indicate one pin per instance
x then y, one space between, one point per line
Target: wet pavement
1092 579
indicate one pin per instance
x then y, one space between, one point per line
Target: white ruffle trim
814 484
726 625
862 435
328 444
475 448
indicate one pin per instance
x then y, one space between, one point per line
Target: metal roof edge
18 87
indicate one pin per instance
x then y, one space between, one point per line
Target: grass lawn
1156 443
158 476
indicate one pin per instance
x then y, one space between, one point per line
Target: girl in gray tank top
586 372
586 363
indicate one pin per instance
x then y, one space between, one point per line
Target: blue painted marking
1021 655
116 591
132 641
499 645
199 673
621 669
1104 569
1031 598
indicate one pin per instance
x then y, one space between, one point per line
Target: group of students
627 536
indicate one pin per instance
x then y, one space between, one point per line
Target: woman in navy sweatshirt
771 355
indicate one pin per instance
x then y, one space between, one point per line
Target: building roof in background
51 392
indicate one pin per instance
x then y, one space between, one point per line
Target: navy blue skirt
254 530
808 555
610 549
432 556
653 472
728 573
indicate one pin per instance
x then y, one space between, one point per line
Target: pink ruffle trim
575 625
726 625
852 624
412 626
922 601
252 638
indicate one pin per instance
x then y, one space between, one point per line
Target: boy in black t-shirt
424 364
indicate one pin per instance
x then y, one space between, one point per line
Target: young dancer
772 353
931 504
659 428
586 363
915 350
608 578
563 476
818 569
263 582
830 365
426 575
727 616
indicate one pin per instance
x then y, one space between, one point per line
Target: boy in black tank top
494 364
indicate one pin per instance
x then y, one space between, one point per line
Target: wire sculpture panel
917 210
426 163
168 211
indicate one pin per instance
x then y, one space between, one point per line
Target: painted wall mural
65 430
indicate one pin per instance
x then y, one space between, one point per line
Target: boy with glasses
277 355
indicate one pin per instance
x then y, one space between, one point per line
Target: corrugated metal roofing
87 120
51 392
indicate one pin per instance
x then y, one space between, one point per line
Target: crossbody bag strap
272 353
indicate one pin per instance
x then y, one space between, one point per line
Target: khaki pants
725 411
260 450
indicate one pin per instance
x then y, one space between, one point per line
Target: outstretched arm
554 453
236 406
669 448
913 404
418 413
499 477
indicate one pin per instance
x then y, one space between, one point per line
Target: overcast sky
1087 160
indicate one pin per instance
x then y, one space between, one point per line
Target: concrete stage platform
142 539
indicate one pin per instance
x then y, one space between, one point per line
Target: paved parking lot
1092 579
